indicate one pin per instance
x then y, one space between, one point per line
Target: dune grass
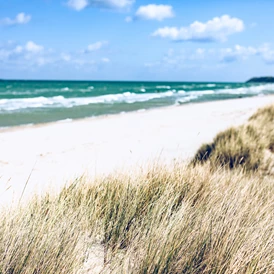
185 219
232 148
245 146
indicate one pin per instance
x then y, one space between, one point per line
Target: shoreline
48 156
103 116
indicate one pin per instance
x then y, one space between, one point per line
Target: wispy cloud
216 56
20 19
33 48
78 4
216 29
154 12
267 54
108 4
239 52
11 50
95 46
31 55
28 54
105 60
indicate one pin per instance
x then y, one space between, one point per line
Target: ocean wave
12 92
62 102
188 87
129 97
65 89
201 92
260 90
186 99
248 90
163 87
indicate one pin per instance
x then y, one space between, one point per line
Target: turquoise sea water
31 102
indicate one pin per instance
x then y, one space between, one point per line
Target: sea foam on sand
36 158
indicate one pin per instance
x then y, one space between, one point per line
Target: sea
34 102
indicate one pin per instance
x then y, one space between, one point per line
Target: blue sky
194 40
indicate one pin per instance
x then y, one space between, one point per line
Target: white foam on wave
12 92
248 90
181 96
186 99
201 92
253 90
141 110
65 89
67 120
234 91
189 86
163 87
62 102
37 102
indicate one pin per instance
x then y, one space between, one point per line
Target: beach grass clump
38 238
235 147
179 220
263 121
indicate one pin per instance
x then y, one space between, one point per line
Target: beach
48 156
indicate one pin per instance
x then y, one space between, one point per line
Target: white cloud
128 19
199 54
18 49
151 65
95 46
236 53
27 55
105 60
218 56
110 4
12 50
21 18
267 53
217 29
240 52
78 4
30 56
66 57
154 12
33 48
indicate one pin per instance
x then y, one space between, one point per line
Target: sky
167 40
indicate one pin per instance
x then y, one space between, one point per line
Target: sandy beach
36 158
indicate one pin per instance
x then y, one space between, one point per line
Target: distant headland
265 79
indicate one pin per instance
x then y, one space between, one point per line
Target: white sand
54 154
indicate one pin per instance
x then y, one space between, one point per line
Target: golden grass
245 146
188 219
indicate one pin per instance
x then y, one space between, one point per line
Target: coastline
35 158
104 116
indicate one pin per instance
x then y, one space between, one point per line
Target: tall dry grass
247 146
188 219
